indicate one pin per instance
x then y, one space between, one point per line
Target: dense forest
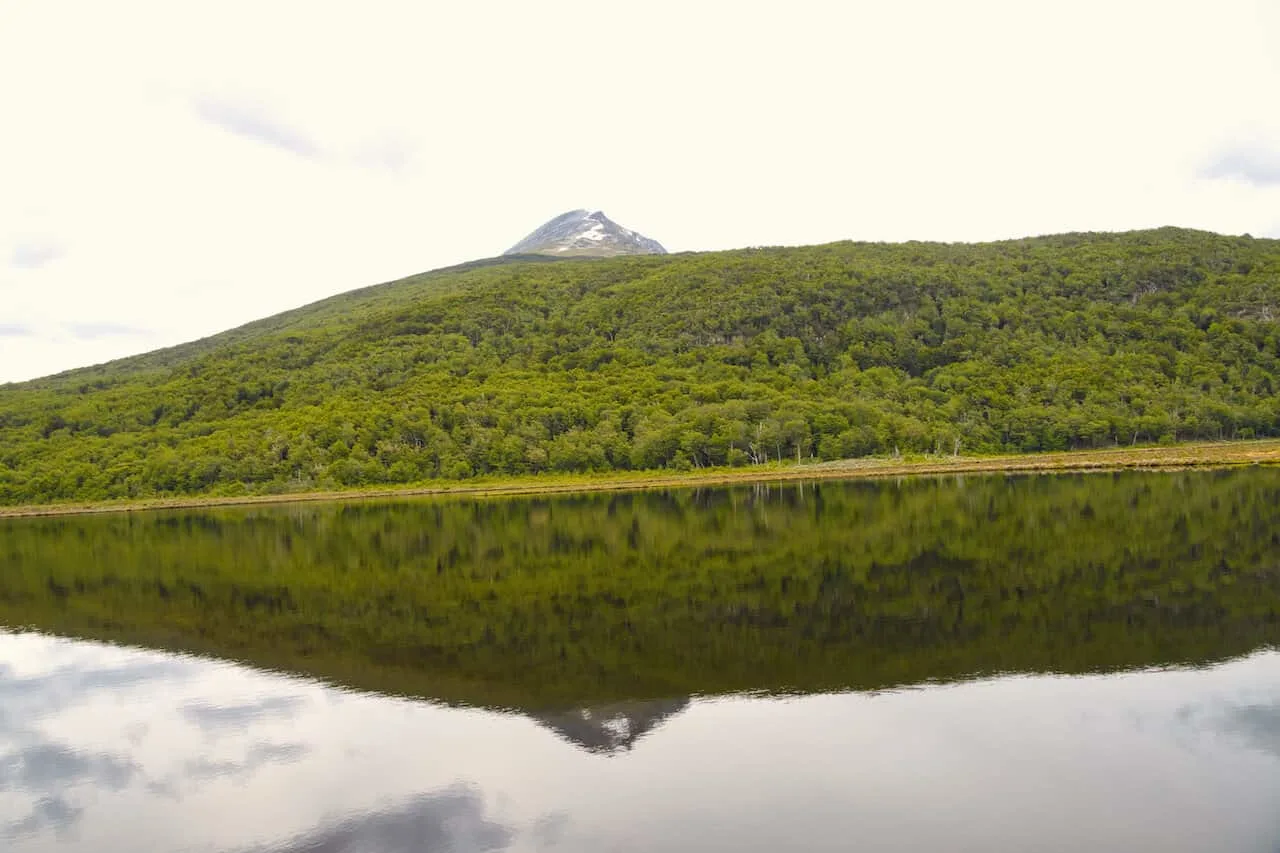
550 603
524 365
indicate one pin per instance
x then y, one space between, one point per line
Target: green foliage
684 361
552 602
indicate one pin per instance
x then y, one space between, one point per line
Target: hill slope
522 365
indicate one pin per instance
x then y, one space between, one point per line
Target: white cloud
1256 163
253 121
32 254
93 331
186 169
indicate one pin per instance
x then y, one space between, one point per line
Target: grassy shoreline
1176 457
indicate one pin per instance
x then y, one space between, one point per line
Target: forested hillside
727 358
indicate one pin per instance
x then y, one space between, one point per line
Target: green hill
522 365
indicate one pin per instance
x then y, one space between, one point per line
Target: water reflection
610 729
813 668
453 820
210 718
1258 725
609 600
169 752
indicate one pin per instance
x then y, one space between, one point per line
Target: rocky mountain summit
584 232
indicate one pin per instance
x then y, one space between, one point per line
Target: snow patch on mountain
585 232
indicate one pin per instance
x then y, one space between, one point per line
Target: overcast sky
171 169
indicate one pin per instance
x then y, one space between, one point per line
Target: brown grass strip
1177 457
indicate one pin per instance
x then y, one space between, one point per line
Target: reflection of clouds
549 829
28 697
49 813
1257 725
211 718
258 756
51 767
452 819
65 789
51 785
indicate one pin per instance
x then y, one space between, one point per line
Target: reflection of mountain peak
614 728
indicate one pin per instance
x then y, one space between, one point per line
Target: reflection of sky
107 749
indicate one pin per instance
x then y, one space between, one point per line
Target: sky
170 170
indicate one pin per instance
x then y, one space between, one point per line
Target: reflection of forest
552 603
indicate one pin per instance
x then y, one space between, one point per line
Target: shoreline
1207 455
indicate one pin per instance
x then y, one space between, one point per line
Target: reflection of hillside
610 729
582 601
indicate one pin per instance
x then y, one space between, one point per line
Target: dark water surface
1053 663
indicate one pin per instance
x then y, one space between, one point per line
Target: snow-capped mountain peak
585 232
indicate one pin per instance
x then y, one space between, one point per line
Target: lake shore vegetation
1203 455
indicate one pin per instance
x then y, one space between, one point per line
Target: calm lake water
1052 663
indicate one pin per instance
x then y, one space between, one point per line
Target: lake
984 663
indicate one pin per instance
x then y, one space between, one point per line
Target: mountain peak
585 232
